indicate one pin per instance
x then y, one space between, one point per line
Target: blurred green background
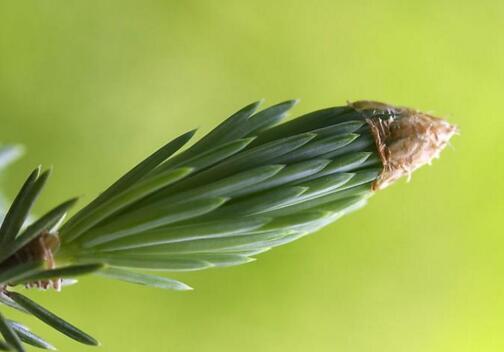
91 87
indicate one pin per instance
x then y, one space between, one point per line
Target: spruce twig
248 186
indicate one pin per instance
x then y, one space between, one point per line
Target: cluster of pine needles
248 186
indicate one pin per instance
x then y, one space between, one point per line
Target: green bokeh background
91 87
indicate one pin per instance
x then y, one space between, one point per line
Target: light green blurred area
92 87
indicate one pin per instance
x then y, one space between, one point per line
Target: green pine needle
11 338
26 336
53 320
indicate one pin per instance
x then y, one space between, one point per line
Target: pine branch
248 186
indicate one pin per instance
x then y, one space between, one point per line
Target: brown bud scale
405 140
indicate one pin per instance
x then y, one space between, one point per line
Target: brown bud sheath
406 141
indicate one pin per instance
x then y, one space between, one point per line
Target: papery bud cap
406 139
